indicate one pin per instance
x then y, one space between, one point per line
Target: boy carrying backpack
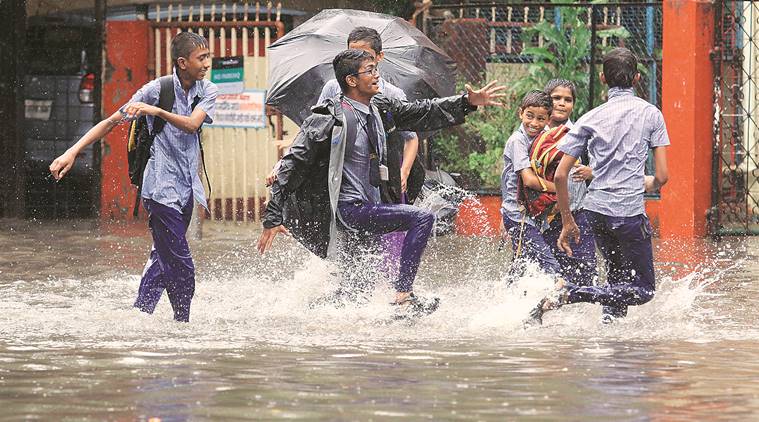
170 180
541 206
141 137
529 196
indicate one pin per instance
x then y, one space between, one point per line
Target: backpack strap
350 121
165 101
551 153
548 154
535 160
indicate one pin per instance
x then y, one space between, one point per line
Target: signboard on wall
228 74
246 109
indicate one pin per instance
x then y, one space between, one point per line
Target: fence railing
735 170
485 36
524 45
237 159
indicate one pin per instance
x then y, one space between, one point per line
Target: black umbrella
300 63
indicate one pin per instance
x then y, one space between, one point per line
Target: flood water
72 348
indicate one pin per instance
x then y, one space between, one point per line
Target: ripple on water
254 348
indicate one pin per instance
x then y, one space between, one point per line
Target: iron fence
482 35
735 190
526 44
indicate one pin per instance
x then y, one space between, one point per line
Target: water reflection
71 346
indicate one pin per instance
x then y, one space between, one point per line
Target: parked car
58 111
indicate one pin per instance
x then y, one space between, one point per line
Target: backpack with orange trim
140 139
544 159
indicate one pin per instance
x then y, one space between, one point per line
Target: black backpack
140 140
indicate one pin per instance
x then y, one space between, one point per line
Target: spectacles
372 70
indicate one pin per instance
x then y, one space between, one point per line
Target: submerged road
71 346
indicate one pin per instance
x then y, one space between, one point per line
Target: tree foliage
475 149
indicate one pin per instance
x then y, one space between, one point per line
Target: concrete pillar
687 79
126 70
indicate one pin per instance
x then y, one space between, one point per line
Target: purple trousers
582 267
372 220
170 265
625 243
541 248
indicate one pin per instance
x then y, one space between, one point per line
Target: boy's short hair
555 83
367 35
184 43
348 63
620 67
536 98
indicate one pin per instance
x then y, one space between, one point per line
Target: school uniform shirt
332 89
577 190
171 176
617 136
355 186
516 157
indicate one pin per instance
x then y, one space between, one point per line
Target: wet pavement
71 346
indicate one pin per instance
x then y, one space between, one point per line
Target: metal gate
482 36
735 191
237 159
527 44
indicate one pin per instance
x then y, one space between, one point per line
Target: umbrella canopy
300 63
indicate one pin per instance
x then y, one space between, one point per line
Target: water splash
273 307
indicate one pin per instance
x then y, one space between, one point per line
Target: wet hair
536 98
367 35
620 67
348 63
184 43
556 83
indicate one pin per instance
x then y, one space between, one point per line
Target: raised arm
437 113
189 124
203 111
61 165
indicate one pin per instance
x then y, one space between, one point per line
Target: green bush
475 148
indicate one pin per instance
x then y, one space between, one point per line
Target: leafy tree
565 54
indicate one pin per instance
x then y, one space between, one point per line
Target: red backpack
544 159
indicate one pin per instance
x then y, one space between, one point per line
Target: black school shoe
553 301
415 307
610 314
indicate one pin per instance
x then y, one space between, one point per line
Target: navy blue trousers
541 248
625 243
372 220
170 265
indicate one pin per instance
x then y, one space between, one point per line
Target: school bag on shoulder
140 139
544 159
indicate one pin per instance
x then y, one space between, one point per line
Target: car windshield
58 49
